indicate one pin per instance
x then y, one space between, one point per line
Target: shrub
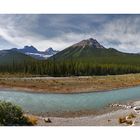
12 115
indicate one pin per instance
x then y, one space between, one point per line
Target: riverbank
70 84
111 118
108 119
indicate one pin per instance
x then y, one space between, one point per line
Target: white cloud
19 30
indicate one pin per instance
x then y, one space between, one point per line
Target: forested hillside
87 57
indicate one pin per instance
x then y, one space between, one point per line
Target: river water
41 103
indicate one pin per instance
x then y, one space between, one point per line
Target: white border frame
69 7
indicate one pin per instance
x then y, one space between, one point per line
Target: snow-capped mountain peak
30 49
33 52
50 51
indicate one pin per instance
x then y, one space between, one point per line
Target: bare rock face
89 42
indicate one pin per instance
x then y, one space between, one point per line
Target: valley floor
69 84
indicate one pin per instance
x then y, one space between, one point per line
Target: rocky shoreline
115 115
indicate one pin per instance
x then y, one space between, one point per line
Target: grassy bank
70 84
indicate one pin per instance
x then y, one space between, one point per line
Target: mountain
88 43
50 51
30 49
10 56
90 51
33 52
89 48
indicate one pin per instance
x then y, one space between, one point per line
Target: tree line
68 68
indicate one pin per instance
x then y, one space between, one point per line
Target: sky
59 31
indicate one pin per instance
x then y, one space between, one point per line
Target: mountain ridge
33 52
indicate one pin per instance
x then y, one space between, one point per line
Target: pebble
47 120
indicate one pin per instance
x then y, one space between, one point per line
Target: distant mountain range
89 50
28 53
33 52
